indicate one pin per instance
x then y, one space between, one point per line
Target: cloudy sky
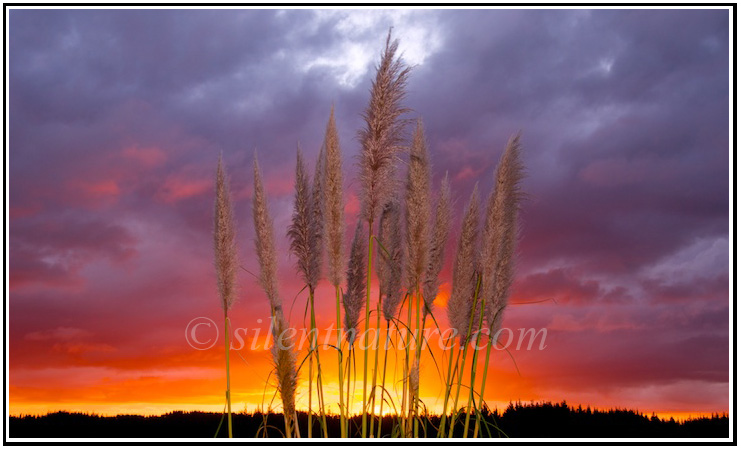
117 118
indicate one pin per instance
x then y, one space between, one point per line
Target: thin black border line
735 235
6 193
732 7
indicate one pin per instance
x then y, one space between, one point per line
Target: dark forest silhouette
532 420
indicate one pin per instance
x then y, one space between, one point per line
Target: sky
116 120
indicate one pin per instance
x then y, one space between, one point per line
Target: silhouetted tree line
530 420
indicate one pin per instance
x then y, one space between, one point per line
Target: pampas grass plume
264 240
417 209
353 298
438 239
500 234
464 270
382 136
334 224
316 222
389 263
225 245
299 230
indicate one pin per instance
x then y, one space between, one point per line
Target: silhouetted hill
541 420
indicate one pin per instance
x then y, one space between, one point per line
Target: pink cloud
98 193
146 156
177 188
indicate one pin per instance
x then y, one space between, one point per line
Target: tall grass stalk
389 270
299 235
375 365
225 261
334 232
305 235
500 240
284 357
448 385
316 233
461 307
472 382
353 298
367 328
381 139
383 376
417 201
464 350
489 345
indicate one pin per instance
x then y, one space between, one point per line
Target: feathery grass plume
353 298
389 264
225 243
500 239
316 222
500 234
284 357
264 240
316 241
464 270
382 136
334 233
417 209
298 231
439 237
334 209
381 140
225 260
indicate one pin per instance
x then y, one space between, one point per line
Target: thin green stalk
473 369
311 373
367 326
418 341
319 389
375 364
448 388
383 377
405 392
343 416
454 416
348 405
483 386
227 332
